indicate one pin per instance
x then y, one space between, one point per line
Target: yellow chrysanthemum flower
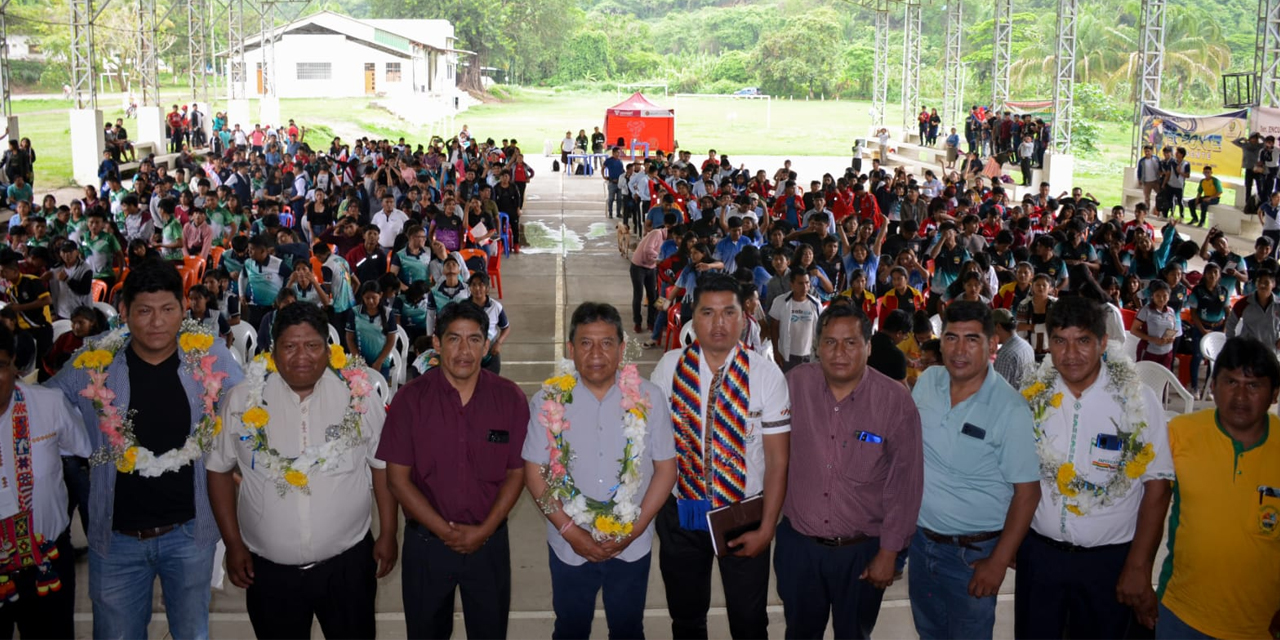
1135 469
127 461
564 383
1074 509
1056 400
296 478
195 342
256 417
217 426
627 529
93 359
1066 474
1146 454
1032 391
337 357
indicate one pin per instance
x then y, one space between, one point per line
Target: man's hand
239 565
987 577
583 544
614 548
467 538
385 552
751 543
880 571
1134 590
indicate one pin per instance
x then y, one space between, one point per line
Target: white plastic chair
1162 380
402 345
113 316
235 355
245 339
334 338
686 334
379 384
397 372
1210 347
1131 345
60 327
935 321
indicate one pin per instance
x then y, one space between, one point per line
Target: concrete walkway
575 259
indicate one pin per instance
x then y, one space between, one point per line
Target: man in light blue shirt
981 481
727 248
582 563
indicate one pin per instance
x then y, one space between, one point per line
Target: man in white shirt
297 533
1148 174
38 425
793 321
1105 487
752 457
389 221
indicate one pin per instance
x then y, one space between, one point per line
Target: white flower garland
1083 497
295 473
195 340
615 518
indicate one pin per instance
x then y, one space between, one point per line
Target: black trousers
339 592
1025 163
644 284
1061 592
816 581
431 573
685 558
48 616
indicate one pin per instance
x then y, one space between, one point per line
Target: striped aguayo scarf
727 413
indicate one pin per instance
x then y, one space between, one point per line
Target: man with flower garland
148 397
303 547
1102 439
607 545
731 417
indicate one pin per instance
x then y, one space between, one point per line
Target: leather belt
147 534
841 542
966 541
1074 548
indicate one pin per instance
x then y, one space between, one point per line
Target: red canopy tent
638 120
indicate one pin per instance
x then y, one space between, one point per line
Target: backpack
555 166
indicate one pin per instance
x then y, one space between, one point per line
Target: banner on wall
1266 121
1209 140
1042 109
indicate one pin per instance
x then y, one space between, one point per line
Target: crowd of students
379 233
904 247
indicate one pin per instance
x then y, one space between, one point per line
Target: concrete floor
575 260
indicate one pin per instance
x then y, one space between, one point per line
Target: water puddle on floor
542 238
599 230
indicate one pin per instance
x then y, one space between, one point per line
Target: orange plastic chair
98 290
468 254
495 271
215 256
1128 316
317 268
673 327
194 263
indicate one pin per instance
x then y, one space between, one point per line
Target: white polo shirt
768 413
1072 432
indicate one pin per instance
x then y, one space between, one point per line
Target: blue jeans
574 589
1171 627
120 585
938 585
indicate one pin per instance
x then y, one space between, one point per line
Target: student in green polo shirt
170 246
410 263
101 248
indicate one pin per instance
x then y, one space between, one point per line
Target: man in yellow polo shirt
1222 576
1207 194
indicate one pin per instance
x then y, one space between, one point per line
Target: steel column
1267 57
1152 53
146 67
1002 54
1064 75
235 50
910 64
4 59
197 32
952 85
83 90
880 87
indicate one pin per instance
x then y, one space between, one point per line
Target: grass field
535 118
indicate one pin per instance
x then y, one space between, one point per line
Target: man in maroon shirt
452 444
853 508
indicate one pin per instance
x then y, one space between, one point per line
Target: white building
328 55
22 47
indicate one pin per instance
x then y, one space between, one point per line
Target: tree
802 56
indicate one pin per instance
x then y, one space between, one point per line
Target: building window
448 72
393 72
315 70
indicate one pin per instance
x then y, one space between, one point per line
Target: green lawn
735 127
